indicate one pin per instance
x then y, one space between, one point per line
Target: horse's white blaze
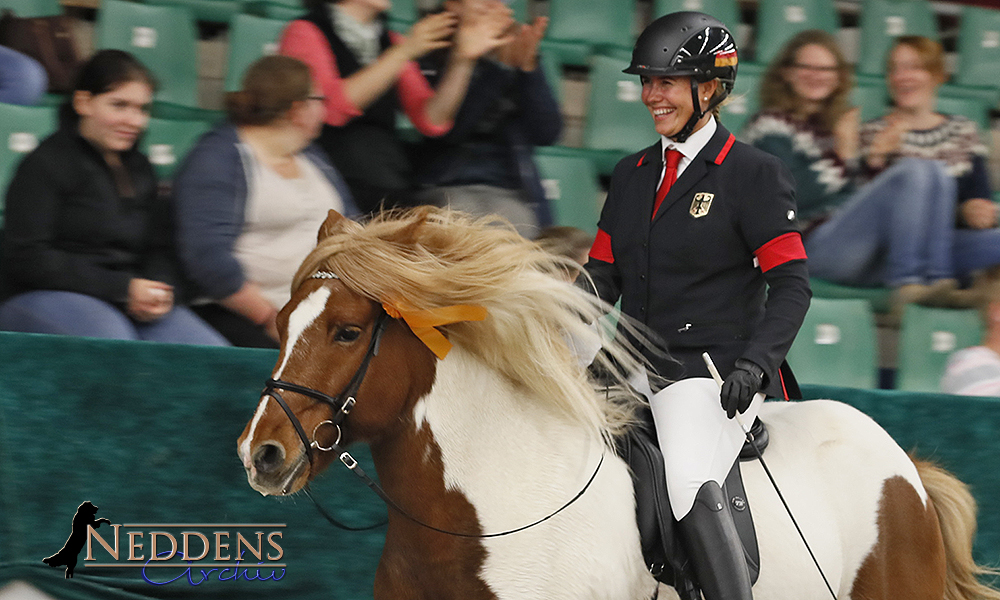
301 318
517 461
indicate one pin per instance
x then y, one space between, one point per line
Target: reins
342 406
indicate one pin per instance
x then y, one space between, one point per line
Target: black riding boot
714 547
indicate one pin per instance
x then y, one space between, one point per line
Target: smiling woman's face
911 84
114 120
815 75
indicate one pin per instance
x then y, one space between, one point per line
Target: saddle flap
664 555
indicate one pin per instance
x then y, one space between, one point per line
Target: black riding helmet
687 44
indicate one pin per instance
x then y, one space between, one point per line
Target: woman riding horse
711 261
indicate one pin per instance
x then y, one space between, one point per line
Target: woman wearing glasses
894 227
250 198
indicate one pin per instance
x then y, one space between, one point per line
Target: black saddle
661 547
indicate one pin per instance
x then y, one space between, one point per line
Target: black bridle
341 407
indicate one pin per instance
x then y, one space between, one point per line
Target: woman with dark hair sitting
251 196
87 244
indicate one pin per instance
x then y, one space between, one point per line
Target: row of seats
837 344
165 38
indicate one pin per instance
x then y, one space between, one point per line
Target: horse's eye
347 334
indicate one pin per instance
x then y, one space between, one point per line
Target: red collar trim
725 150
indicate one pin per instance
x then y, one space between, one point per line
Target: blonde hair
776 94
430 258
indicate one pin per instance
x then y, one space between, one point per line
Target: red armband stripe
601 250
782 249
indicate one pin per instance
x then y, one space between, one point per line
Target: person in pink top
367 75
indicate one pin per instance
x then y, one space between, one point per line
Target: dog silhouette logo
67 556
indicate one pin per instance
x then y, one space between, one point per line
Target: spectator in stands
251 196
87 248
484 164
914 129
367 73
893 227
22 79
975 371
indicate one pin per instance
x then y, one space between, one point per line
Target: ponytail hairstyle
270 87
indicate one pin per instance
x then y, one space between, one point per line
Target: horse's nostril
268 458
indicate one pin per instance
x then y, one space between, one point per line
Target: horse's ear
334 223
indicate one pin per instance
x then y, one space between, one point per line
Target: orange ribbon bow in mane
423 323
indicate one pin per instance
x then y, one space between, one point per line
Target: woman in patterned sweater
875 211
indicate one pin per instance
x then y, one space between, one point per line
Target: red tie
672 158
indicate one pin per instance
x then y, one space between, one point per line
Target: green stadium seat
977 71
979 48
402 15
578 28
214 11
882 21
285 10
871 95
927 336
162 37
250 37
168 141
520 8
727 11
973 108
879 298
33 8
836 345
779 20
617 120
745 99
21 129
571 187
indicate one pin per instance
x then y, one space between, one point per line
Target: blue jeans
22 79
976 249
70 313
897 229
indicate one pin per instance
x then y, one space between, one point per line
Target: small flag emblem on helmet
726 59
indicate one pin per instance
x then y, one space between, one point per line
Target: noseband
341 405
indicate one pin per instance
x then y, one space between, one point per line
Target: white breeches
699 443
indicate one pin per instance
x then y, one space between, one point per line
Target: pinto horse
450 347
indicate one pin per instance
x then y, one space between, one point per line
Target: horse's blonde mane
429 258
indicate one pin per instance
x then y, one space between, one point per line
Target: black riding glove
739 388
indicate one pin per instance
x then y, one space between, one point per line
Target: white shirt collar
695 142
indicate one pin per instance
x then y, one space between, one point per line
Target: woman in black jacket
87 245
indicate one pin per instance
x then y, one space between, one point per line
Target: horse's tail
956 511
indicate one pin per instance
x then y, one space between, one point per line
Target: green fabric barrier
147 432
958 433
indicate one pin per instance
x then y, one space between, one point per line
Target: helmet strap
697 113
